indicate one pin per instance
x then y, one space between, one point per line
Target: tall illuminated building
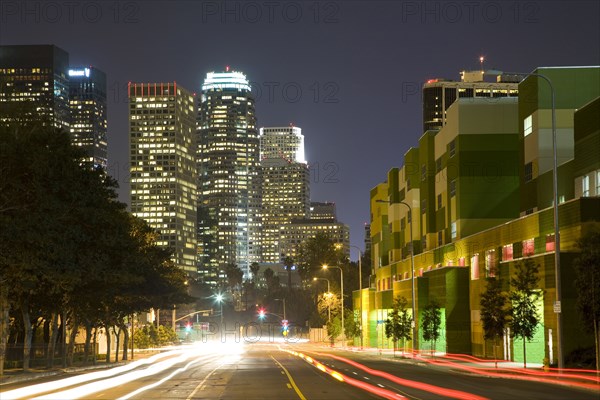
285 186
162 125
37 84
87 101
282 142
34 85
228 182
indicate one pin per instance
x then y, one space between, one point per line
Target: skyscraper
87 101
285 186
228 182
439 94
282 142
162 163
322 210
34 85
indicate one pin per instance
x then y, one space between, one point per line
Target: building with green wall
464 188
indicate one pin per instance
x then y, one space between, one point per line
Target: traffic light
188 326
284 324
261 313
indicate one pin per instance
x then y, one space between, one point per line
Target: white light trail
33 390
117 376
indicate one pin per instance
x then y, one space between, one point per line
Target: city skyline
252 152
347 115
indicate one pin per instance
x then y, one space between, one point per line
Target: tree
271 279
254 268
315 252
68 248
52 210
495 312
328 304
587 282
523 297
234 276
334 328
432 321
351 324
399 323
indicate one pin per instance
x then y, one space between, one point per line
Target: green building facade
477 207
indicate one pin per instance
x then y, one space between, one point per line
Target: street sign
557 308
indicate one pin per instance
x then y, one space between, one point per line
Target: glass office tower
162 164
34 85
228 176
285 179
87 101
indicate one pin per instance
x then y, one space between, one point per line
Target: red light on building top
227 68
432 81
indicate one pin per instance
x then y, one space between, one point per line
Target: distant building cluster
218 190
475 197
38 83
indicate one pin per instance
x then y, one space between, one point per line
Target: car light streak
565 372
451 393
337 376
33 390
578 373
105 384
160 382
386 394
109 378
535 376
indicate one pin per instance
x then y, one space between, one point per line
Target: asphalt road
444 378
281 371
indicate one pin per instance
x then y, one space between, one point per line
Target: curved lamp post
360 293
328 292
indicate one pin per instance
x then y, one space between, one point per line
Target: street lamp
555 209
360 324
342 299
283 300
329 293
412 273
219 298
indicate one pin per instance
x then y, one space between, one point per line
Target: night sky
348 73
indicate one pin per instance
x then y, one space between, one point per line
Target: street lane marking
385 393
200 385
289 386
298 392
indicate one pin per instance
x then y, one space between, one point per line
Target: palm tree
254 268
288 262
